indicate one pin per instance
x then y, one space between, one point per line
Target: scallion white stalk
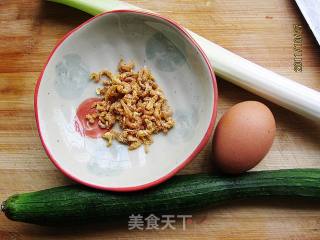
233 68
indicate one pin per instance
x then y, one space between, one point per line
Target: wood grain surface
261 31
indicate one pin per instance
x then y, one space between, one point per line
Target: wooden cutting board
261 31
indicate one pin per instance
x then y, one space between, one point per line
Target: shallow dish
179 67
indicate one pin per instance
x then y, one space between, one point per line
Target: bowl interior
179 68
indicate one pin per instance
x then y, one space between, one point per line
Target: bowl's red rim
202 143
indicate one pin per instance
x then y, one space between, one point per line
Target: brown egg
243 137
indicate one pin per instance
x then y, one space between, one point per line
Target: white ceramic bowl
179 66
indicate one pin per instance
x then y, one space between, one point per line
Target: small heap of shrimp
135 101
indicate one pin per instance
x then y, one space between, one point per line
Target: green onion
248 75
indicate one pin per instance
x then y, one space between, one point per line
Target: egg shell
243 137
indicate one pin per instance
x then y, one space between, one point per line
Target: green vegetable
75 204
95 7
